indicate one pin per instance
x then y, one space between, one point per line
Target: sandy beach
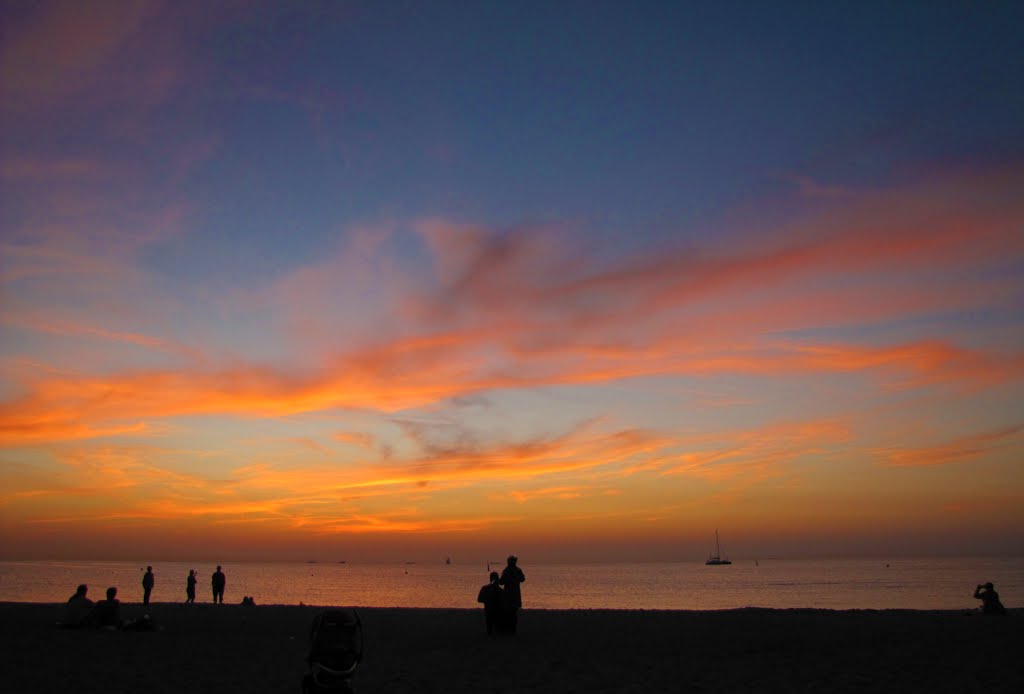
229 648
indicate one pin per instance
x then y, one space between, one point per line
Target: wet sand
229 648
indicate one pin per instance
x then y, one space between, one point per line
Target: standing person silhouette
147 585
511 577
218 585
190 586
493 598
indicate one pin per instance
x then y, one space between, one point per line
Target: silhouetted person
147 585
190 586
493 598
218 586
80 595
78 609
989 599
107 613
511 577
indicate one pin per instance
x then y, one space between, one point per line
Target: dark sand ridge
208 648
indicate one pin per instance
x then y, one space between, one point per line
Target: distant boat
716 558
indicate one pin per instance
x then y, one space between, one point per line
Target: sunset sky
575 280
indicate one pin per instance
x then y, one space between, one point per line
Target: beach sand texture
229 648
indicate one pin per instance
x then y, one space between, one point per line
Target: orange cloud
70 406
958 450
354 437
755 454
142 483
71 328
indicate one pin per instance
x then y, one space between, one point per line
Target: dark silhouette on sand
493 599
511 577
219 581
335 651
78 610
190 586
147 585
80 596
248 601
989 599
107 613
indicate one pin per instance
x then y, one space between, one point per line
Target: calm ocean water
940 583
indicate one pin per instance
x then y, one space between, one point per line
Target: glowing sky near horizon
574 280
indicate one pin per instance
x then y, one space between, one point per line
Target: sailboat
716 558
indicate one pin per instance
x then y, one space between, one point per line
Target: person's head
111 592
149 569
495 576
989 586
82 590
512 559
218 567
191 572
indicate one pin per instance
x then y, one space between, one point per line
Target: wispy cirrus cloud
59 48
520 312
141 483
956 450
49 170
941 224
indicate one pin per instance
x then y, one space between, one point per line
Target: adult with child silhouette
511 577
493 599
147 585
190 586
989 599
219 581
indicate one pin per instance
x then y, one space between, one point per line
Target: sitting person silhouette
989 599
78 609
107 613
493 598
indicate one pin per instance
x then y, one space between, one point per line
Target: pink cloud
60 46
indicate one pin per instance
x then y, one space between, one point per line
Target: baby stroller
335 649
